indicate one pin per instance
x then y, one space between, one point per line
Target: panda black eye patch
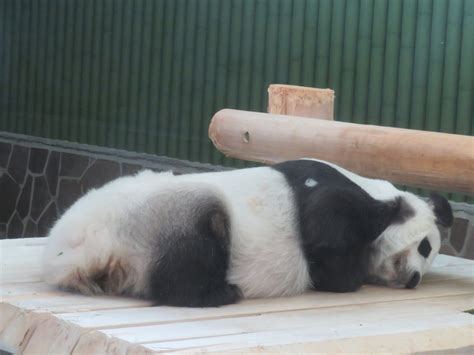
424 248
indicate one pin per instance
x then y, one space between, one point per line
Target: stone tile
15 227
69 191
130 169
31 229
23 205
52 172
18 163
5 149
38 158
458 233
73 165
447 250
47 219
41 197
99 173
10 191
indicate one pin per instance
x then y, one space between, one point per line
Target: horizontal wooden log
432 160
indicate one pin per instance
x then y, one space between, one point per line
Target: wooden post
418 158
301 101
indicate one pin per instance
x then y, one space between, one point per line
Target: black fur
424 248
442 210
403 211
338 220
191 270
414 281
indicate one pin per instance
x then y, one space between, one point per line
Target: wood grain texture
433 160
301 101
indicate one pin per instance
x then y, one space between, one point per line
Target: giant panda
210 239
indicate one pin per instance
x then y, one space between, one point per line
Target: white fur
89 234
266 259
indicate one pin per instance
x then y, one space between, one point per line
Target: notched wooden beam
432 160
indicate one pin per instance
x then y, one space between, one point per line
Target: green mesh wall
148 75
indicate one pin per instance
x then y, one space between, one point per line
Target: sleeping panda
210 239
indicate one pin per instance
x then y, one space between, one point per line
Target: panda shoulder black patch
319 187
337 221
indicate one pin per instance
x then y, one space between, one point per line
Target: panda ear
400 211
442 210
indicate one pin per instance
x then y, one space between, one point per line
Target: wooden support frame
432 160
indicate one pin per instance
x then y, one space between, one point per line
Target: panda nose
415 279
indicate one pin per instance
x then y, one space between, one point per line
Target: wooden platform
35 318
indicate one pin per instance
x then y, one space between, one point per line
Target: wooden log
432 160
301 101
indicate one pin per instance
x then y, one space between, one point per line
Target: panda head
404 251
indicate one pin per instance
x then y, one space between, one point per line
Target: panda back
266 258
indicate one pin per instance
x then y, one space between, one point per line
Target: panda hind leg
191 268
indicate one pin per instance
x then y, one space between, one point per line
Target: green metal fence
148 75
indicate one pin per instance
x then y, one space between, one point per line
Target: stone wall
41 178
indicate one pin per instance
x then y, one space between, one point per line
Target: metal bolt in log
432 160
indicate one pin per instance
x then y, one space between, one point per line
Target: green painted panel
148 75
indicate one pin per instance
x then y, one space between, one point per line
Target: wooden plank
437 340
29 332
301 101
448 272
312 300
417 158
15 256
16 325
21 267
20 260
463 272
374 312
447 260
458 339
27 274
299 326
23 242
96 342
13 290
51 337
62 302
99 343
55 336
